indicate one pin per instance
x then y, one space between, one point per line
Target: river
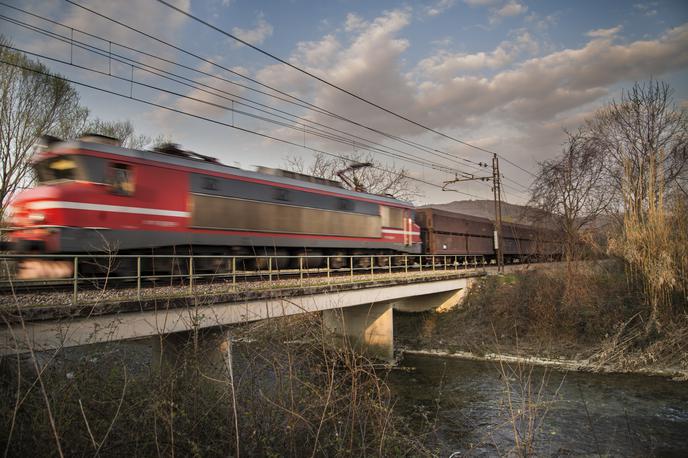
572 413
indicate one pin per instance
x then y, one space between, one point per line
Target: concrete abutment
369 328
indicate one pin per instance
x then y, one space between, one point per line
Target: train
449 233
93 195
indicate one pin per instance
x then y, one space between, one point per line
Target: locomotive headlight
36 217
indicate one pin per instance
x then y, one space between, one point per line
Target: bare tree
644 138
375 179
122 130
570 188
32 103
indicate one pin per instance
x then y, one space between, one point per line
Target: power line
315 132
289 96
121 59
332 85
108 53
195 99
207 119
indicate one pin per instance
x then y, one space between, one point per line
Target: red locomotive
94 195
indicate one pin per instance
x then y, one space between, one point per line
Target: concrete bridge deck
51 327
361 311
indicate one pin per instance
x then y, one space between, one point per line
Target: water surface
467 404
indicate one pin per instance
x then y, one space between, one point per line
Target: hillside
485 209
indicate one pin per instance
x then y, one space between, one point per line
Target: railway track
94 283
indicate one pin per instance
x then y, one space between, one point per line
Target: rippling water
577 413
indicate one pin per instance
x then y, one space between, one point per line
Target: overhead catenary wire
332 85
434 151
207 119
315 132
361 143
309 106
276 90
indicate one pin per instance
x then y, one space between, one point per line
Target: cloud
480 2
446 64
542 23
513 8
168 27
461 93
137 15
354 22
514 96
317 53
440 7
604 33
313 56
648 9
257 35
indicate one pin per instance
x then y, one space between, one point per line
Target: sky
507 76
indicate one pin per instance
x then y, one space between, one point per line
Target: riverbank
590 321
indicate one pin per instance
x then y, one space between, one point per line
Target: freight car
94 195
449 233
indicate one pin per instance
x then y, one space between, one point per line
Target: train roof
451 214
208 164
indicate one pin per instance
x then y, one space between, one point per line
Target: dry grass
541 310
595 312
291 392
654 243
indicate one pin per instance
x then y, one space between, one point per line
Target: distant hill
485 209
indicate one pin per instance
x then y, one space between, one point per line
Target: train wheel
125 267
338 260
398 261
361 261
382 261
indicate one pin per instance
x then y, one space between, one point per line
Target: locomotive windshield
66 168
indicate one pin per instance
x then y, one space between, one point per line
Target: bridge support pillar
205 349
368 328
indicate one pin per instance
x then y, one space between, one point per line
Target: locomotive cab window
120 178
60 168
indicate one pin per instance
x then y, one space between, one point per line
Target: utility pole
496 188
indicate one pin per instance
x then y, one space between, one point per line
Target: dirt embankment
588 318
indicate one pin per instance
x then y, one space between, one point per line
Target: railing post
233 272
138 277
351 268
76 280
405 263
420 262
372 266
445 262
432 260
191 274
389 260
465 262
270 269
328 268
300 270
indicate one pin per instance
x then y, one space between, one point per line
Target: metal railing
186 270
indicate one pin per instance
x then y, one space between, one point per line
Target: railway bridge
356 306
